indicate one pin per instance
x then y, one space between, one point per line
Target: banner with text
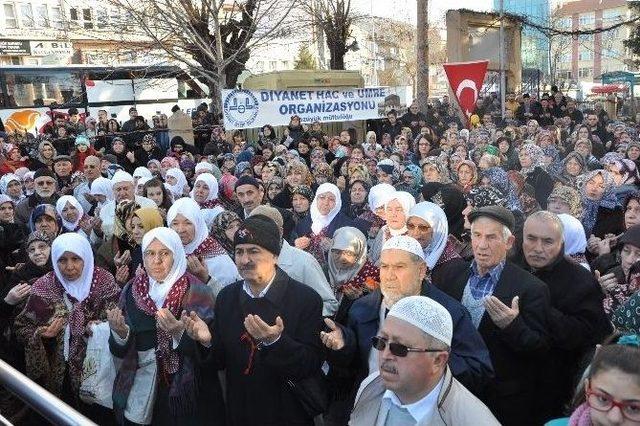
245 109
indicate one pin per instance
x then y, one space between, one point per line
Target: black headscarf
451 200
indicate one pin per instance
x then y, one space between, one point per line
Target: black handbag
312 393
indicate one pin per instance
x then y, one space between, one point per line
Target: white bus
30 96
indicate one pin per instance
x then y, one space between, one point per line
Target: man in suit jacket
402 274
510 308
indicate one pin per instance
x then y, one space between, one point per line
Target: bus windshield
27 88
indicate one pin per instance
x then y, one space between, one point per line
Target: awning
610 88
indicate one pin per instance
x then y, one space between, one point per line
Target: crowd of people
424 273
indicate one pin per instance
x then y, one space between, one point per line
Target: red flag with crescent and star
465 79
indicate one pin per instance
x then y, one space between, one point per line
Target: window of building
73 14
42 16
587 19
585 72
86 16
610 16
10 19
26 15
585 55
56 18
102 17
273 65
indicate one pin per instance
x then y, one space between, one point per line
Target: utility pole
503 84
422 48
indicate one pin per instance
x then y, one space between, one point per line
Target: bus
31 96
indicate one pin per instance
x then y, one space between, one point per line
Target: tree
305 60
334 18
211 38
633 42
422 52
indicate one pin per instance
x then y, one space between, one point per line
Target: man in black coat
266 333
528 110
577 321
392 126
510 308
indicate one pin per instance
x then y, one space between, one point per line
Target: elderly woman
62 304
625 176
575 241
396 210
498 178
206 258
205 191
314 232
601 212
467 174
434 169
297 174
45 155
44 218
223 229
427 223
11 185
12 234
146 326
176 182
351 275
565 199
531 159
301 199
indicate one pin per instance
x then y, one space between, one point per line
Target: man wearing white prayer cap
403 274
123 189
414 385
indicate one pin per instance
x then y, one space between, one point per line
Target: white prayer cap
404 243
141 172
380 194
425 314
121 176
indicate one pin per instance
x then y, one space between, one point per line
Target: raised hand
167 322
117 323
334 339
122 274
53 329
17 294
501 314
607 281
261 331
196 328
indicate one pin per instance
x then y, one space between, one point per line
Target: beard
391 297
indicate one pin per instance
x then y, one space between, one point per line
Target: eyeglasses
163 255
604 403
397 349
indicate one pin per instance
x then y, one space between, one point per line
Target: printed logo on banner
240 108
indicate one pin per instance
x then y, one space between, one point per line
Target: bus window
42 88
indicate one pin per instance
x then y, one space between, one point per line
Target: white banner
244 109
46 48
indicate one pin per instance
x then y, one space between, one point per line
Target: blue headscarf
41 210
590 207
500 180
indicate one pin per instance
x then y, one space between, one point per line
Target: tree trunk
215 93
337 57
422 47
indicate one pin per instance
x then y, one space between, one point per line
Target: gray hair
548 217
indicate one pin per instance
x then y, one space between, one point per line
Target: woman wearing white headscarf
575 239
396 210
351 275
61 305
73 217
176 182
11 185
206 258
102 192
146 325
314 232
205 191
428 224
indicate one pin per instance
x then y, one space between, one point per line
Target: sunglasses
397 349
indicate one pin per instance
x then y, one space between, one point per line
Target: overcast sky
406 9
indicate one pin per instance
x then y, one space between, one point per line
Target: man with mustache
577 319
266 333
414 385
45 193
402 274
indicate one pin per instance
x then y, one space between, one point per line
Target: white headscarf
78 245
407 201
191 211
379 195
352 239
211 181
575 239
6 180
169 238
178 189
437 219
318 221
141 172
60 205
121 176
203 165
28 176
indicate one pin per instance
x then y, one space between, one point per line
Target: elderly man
577 320
123 189
267 333
510 308
300 265
91 171
414 385
402 273
45 193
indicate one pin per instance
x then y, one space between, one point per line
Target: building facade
535 45
586 57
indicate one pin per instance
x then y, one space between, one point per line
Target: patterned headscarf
303 190
610 157
474 170
537 157
570 196
485 196
628 170
441 165
124 211
500 180
220 224
590 207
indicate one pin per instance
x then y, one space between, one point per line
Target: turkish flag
465 79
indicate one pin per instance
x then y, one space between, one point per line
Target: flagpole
503 84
